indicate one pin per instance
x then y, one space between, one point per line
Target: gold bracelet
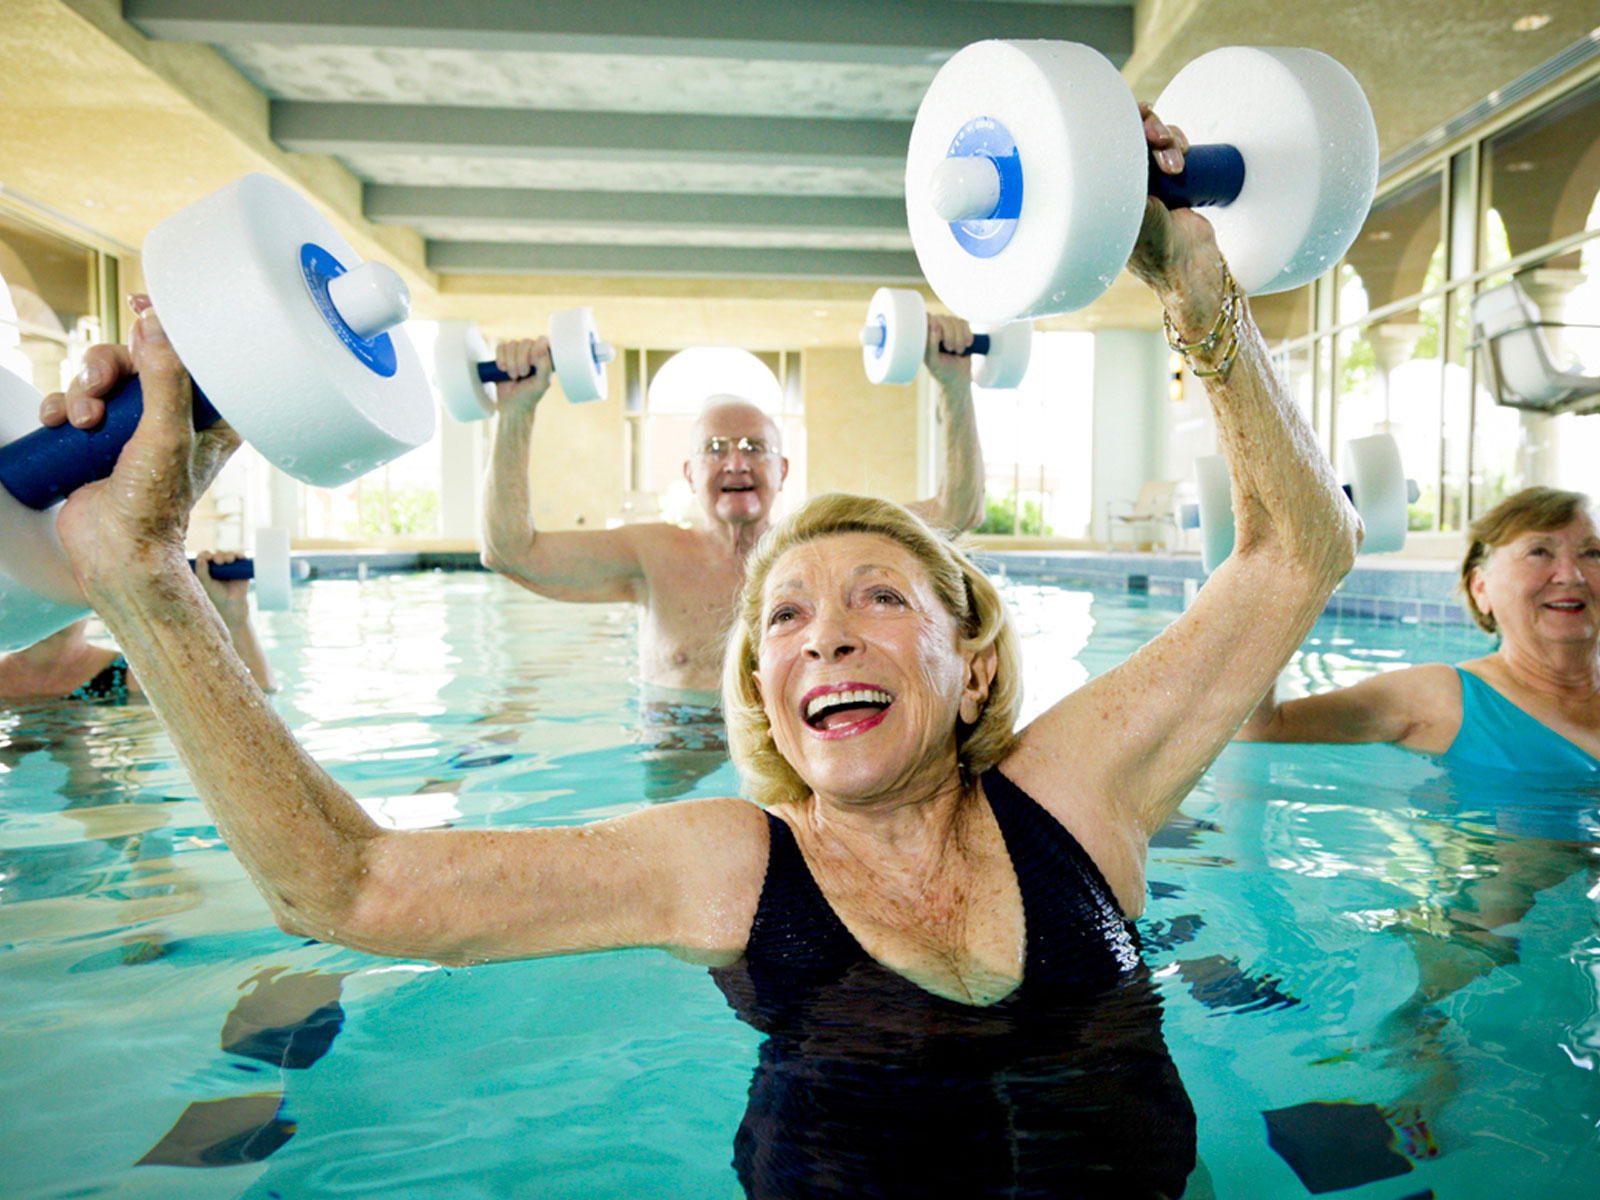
1227 321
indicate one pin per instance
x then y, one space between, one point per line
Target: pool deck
1393 589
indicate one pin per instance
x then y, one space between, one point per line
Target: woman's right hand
137 517
1176 251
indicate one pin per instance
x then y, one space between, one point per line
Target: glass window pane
1400 250
1541 176
48 306
1393 379
1283 316
1037 442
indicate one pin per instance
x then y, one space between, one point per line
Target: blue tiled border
1415 591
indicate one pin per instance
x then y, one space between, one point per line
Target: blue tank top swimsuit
1496 733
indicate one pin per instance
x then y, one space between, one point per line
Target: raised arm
678 876
581 565
958 504
231 599
1121 753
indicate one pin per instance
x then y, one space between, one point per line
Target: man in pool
684 580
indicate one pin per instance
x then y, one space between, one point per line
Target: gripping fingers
1168 141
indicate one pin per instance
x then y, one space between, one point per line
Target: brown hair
964 591
1534 508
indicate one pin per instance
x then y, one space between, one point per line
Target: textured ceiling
688 153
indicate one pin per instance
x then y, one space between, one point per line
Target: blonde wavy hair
964 590
1540 509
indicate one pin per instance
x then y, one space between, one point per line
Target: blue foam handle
980 344
49 464
490 372
239 568
1212 175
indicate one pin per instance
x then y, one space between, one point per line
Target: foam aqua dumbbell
1378 488
290 338
464 369
895 336
39 593
1028 171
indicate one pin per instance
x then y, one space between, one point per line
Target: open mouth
839 708
1570 606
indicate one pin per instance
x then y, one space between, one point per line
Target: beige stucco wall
577 460
860 437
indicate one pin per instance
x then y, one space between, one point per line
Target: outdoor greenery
1001 517
385 512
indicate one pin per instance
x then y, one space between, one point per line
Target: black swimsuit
869 1085
109 686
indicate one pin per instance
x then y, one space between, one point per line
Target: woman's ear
1479 591
981 667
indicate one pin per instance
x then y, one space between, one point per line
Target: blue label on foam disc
321 269
984 137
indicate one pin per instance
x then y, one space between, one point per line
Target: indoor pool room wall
161 1038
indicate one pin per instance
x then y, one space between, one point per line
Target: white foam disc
272 569
903 318
1216 510
38 592
1310 149
225 274
1081 149
573 337
1379 491
1010 348
457 351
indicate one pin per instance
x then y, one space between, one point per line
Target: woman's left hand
138 516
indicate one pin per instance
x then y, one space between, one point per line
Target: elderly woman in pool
1531 576
874 683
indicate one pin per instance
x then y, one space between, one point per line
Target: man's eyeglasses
721 447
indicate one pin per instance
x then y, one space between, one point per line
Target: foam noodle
1081 147
1378 490
225 276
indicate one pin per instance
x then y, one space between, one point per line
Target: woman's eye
780 615
886 596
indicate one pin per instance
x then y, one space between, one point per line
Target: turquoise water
150 1011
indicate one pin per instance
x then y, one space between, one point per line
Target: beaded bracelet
1227 320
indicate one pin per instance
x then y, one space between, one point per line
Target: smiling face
1544 585
736 464
861 670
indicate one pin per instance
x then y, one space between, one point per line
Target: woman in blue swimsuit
926 911
1531 576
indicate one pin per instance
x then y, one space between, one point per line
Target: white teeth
845 699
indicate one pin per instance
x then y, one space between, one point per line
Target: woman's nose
1569 568
830 638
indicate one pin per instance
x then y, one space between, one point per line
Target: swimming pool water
149 1010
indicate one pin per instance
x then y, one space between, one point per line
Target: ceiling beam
390 203
309 127
865 31
883 266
